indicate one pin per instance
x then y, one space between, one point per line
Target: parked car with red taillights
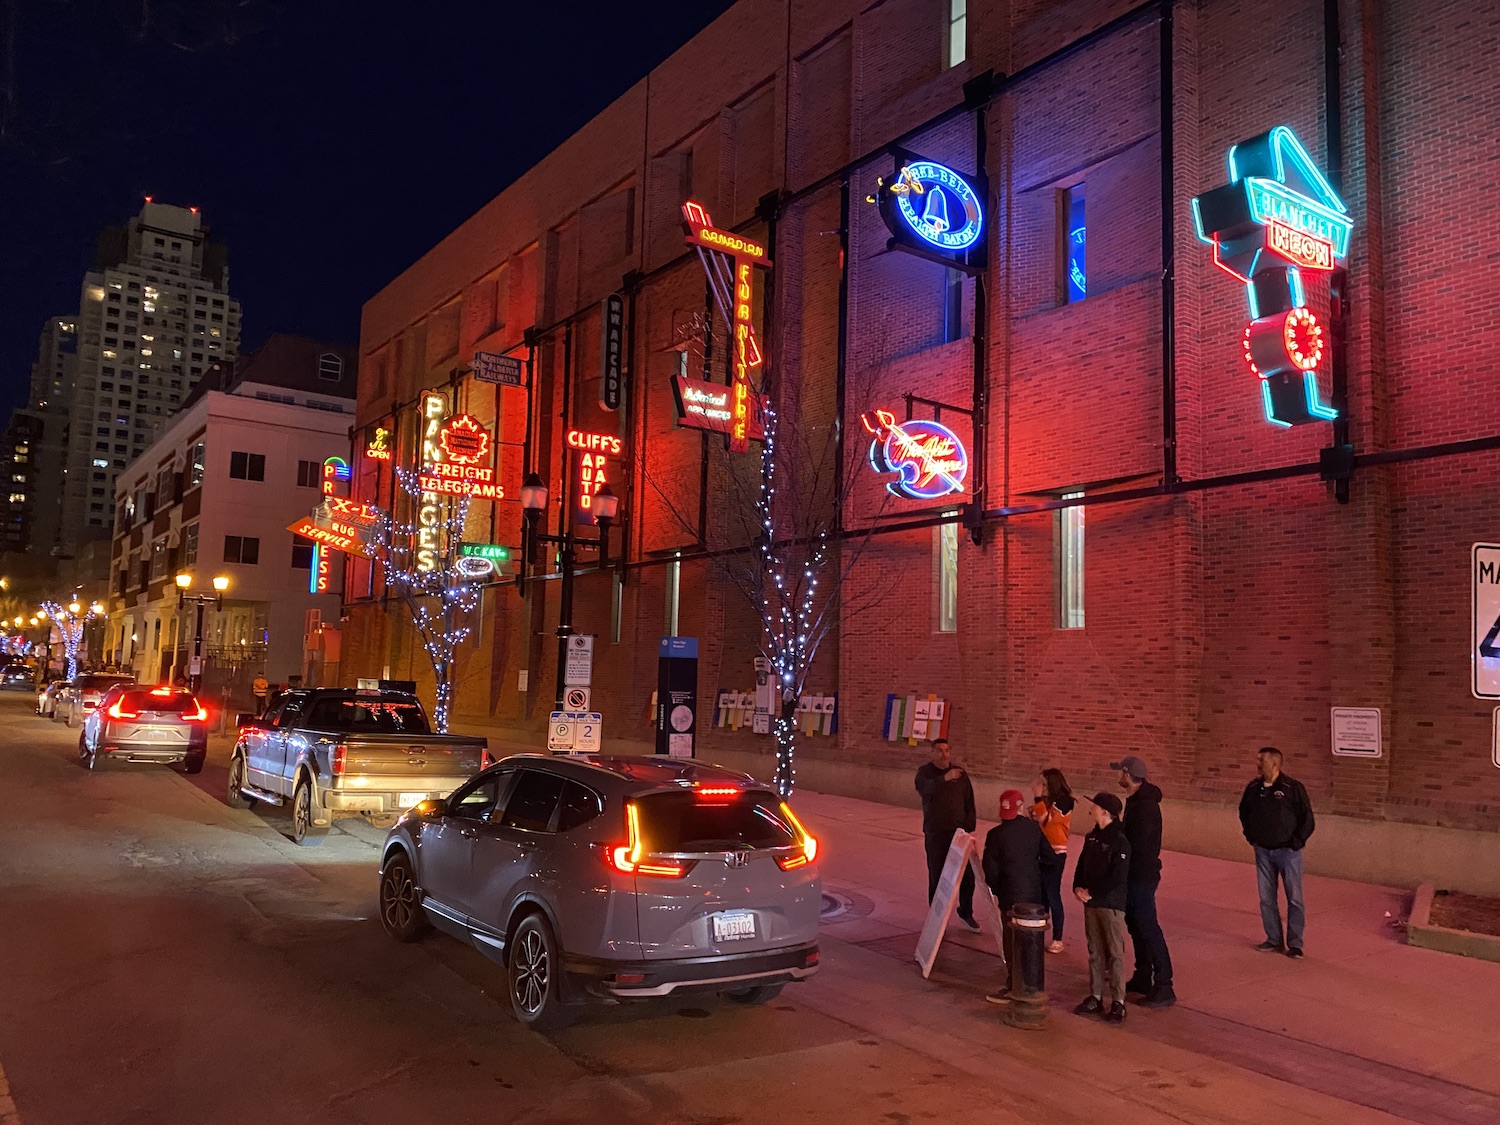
48 696
141 724
78 701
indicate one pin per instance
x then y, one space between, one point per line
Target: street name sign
1484 644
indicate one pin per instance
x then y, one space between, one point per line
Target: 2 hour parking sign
1484 644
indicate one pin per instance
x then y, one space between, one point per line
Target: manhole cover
833 905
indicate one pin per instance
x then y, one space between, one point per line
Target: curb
1424 935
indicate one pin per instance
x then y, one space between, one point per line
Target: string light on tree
69 621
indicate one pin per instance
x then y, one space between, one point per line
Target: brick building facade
1230 597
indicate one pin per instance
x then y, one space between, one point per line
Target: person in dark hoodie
1153 961
947 806
1014 852
1100 880
1277 818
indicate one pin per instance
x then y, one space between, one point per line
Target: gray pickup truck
338 752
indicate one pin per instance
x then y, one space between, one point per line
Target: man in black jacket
947 806
1153 961
1277 818
1100 882
1014 852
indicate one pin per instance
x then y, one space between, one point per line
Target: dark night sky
328 142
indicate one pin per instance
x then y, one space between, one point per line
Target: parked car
337 752
611 878
47 696
142 724
17 677
83 695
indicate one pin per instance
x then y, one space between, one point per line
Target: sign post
963 852
677 696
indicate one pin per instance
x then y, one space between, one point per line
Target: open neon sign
928 458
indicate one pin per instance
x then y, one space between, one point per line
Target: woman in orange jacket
1053 810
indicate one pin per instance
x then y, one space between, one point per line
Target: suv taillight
199 714
117 711
630 857
337 765
805 840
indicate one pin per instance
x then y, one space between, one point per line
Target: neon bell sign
1277 216
929 459
934 212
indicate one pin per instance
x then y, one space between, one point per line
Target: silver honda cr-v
611 878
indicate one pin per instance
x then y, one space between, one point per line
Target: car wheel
535 966
193 763
754 997
234 797
68 719
86 757
304 832
401 901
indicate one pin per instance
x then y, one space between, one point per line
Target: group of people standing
1119 867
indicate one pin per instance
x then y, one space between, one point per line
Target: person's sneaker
969 923
1162 997
1138 984
1055 947
1294 953
1116 1013
1000 996
1270 947
1091 1006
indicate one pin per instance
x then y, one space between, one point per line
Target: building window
302 553
945 572
247 466
958 31
1070 564
309 474
159 558
243 549
953 305
1073 232
674 594
616 608
330 367
189 545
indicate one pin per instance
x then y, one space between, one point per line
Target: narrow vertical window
1073 238
953 305
1070 564
674 590
945 568
958 31
616 608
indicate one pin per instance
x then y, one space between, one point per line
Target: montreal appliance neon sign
928 458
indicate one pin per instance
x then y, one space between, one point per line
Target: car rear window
369 716
178 702
691 822
100 683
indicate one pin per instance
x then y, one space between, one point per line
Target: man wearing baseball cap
1142 823
1014 852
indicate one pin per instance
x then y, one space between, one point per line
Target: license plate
733 925
410 799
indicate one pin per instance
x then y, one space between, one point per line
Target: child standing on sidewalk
1053 810
1099 882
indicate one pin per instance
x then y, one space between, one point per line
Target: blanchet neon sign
1277 216
733 285
929 459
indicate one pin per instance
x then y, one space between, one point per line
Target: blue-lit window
1073 258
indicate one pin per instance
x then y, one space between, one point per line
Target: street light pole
184 583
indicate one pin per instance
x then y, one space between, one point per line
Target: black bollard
1027 922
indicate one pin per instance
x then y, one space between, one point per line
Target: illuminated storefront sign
378 448
929 459
1276 217
733 290
337 534
934 212
351 511
429 503
336 476
476 560
595 469
463 440
474 481
335 473
706 406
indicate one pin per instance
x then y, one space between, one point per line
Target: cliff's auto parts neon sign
593 467
928 458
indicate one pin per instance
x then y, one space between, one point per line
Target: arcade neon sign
928 458
1277 216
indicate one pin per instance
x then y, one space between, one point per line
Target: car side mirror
431 809
246 719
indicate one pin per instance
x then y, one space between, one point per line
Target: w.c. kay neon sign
929 459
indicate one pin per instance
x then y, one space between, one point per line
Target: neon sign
429 512
474 481
929 459
706 406
606 443
463 440
934 212
335 472
337 534
1277 216
379 446
733 291
593 469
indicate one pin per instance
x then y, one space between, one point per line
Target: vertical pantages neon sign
429 504
1277 216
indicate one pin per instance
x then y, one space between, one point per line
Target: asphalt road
164 958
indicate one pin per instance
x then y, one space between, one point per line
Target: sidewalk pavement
1364 1028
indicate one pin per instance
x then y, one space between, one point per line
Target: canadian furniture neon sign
732 283
1277 216
928 458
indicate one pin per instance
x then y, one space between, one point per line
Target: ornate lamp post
184 583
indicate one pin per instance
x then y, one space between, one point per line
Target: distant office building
213 496
31 451
154 314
